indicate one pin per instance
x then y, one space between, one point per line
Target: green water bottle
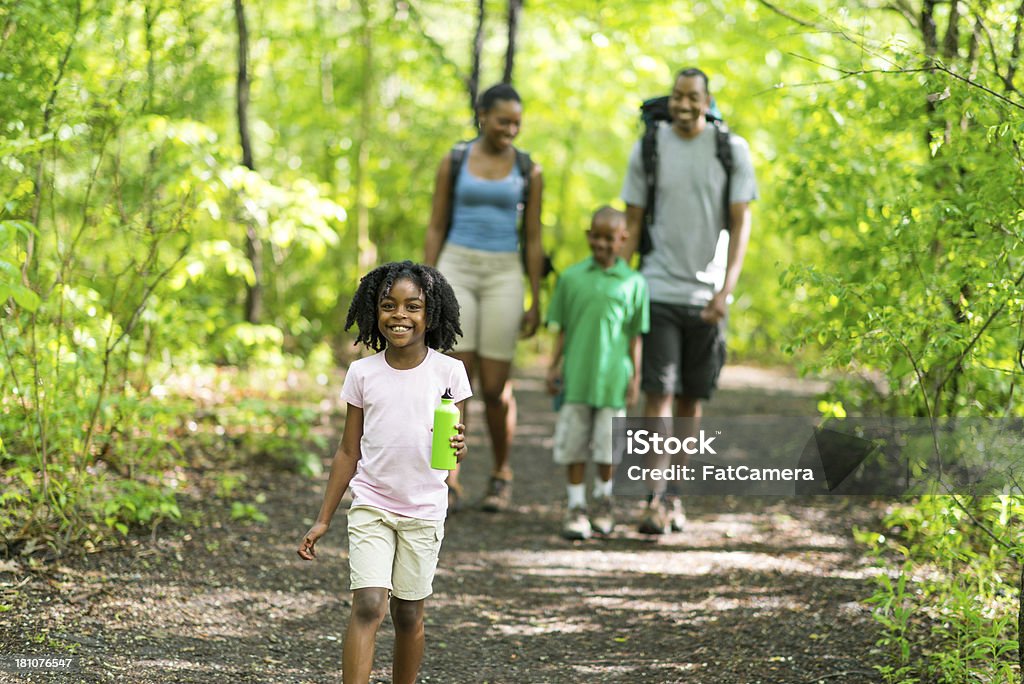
446 417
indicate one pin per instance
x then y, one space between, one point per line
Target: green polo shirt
600 311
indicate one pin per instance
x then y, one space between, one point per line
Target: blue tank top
485 212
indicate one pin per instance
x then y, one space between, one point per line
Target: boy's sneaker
499 496
576 525
602 520
675 513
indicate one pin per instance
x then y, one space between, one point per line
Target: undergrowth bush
150 451
948 593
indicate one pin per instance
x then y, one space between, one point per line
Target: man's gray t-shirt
690 248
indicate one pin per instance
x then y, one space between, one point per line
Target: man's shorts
583 431
490 290
392 551
682 355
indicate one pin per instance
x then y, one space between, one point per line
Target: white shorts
490 290
583 431
393 552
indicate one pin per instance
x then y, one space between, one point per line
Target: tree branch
435 46
931 67
111 343
793 18
30 256
1011 68
1020 620
903 8
14 371
991 48
977 336
1012 551
844 674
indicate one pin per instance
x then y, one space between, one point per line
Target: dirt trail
753 591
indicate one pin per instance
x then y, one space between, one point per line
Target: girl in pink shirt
408 314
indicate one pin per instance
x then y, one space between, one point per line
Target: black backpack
525 164
653 111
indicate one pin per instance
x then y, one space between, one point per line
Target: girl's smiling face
402 315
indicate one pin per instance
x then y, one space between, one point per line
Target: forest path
754 591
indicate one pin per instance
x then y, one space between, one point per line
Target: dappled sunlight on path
752 591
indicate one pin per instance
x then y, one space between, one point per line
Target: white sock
602 489
577 495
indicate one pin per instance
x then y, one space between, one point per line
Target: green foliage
899 196
10 275
949 611
279 434
909 252
247 512
227 483
133 502
886 244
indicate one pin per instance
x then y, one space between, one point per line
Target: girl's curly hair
441 306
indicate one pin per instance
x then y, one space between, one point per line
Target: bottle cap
447 393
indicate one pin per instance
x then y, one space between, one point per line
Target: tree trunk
473 84
515 7
253 245
1011 67
929 31
327 100
149 18
366 251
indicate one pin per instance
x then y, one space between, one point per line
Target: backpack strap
457 157
649 157
723 150
525 165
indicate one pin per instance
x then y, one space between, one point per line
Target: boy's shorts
392 551
683 355
583 430
489 287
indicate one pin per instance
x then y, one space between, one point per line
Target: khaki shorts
393 552
583 431
489 287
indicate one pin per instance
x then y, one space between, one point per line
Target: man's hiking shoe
655 521
499 496
663 515
602 517
576 525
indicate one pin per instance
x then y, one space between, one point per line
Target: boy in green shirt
600 309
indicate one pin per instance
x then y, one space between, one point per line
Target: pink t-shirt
393 472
